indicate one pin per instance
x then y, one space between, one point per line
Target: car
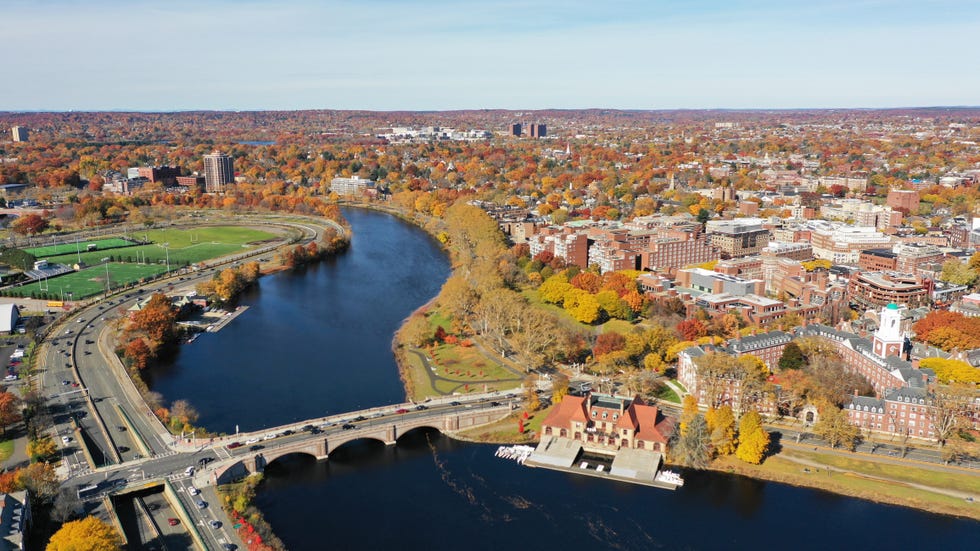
205 460
251 440
201 504
420 407
214 524
287 432
10 377
256 447
89 341
349 426
234 445
138 456
360 418
494 404
193 491
81 320
68 365
401 410
189 471
315 431
307 428
454 403
66 439
123 449
65 382
270 436
229 546
173 521
121 428
74 385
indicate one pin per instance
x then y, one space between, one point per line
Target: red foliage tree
587 281
692 329
608 342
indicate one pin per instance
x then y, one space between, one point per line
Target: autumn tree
41 449
157 320
531 400
10 410
753 440
40 479
30 224
834 427
950 409
721 427
692 329
87 534
607 342
559 387
689 411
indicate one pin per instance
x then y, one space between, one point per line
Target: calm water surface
319 341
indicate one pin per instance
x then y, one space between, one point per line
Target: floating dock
632 466
226 319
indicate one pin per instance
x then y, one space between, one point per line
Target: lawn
74 248
466 364
505 430
186 246
783 470
90 281
6 450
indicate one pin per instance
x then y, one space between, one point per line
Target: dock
630 466
226 319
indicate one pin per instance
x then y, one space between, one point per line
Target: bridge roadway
224 460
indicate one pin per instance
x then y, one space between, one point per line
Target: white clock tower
888 339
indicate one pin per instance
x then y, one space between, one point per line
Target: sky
487 54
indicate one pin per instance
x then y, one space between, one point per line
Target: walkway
430 372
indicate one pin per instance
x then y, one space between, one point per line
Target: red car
234 445
173 521
402 410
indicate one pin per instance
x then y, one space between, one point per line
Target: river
318 341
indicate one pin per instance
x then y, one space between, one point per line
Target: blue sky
447 54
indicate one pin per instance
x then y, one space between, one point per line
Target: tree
559 387
792 357
457 299
31 224
950 409
41 449
554 289
693 446
689 412
138 353
581 305
721 425
753 440
958 273
9 410
182 413
417 331
87 534
531 400
40 479
834 427
605 343
691 329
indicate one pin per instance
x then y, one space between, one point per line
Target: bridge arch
420 430
275 456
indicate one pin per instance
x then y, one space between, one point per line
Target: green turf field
74 248
187 246
88 282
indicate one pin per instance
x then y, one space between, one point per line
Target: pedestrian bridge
387 429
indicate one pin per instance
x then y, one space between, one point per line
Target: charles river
317 342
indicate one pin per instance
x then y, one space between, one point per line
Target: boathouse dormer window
594 412
605 414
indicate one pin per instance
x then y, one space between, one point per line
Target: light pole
78 251
166 247
106 260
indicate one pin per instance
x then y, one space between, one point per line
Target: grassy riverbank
897 484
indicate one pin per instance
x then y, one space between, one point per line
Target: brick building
605 424
738 237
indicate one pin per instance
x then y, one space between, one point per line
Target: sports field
88 282
187 246
74 248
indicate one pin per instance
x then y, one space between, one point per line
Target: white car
66 439
251 440
193 491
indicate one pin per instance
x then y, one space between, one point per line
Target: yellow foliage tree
753 440
951 371
690 411
721 427
87 534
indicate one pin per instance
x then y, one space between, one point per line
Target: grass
466 364
75 248
667 394
186 246
505 430
781 469
91 281
937 479
6 450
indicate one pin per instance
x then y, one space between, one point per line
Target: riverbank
943 492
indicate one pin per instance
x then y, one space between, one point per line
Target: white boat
670 477
517 453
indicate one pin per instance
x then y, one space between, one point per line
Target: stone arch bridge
387 430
